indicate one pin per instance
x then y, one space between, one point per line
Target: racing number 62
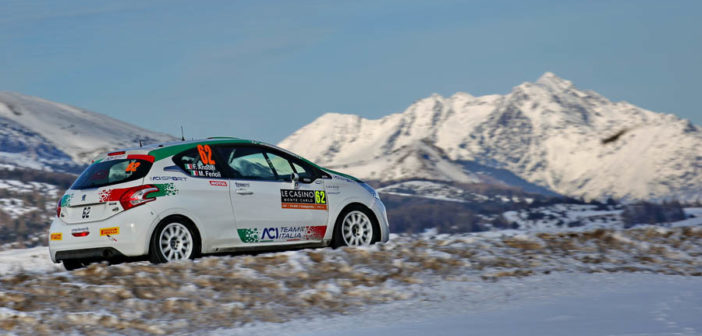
205 154
320 197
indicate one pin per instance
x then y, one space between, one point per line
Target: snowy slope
550 133
38 133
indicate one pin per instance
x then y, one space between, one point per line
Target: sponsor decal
242 185
56 236
218 183
303 199
282 234
109 231
169 178
82 199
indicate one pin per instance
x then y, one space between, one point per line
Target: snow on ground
555 304
563 216
15 207
588 217
432 281
429 189
445 192
34 260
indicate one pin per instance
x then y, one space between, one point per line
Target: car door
203 194
268 206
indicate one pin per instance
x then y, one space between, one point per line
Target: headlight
370 190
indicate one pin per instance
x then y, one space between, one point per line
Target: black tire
156 253
73 264
338 239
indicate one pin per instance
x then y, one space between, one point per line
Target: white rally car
179 200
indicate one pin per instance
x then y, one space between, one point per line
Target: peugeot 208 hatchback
178 200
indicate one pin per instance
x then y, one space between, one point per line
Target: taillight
137 196
58 208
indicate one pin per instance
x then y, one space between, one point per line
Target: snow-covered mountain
37 133
549 133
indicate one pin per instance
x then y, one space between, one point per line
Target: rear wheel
173 240
355 226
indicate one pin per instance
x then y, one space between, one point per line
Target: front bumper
125 234
381 214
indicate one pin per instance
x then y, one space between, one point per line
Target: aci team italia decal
303 199
282 234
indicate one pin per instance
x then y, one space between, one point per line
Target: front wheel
172 241
355 226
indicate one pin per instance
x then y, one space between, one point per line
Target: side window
282 166
305 173
286 166
247 163
192 162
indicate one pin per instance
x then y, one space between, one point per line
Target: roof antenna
139 143
182 135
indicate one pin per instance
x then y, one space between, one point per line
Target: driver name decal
303 199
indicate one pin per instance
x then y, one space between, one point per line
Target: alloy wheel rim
176 242
357 229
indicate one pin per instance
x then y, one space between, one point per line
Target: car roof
167 149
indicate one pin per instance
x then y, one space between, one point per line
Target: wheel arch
370 212
185 220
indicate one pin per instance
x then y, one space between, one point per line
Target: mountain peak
550 80
462 95
547 133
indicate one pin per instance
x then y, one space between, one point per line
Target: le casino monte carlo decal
303 199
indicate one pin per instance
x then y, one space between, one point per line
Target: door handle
244 192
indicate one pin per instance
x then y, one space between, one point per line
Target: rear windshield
112 172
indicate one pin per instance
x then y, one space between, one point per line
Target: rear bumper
123 235
101 253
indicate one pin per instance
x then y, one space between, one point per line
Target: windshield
112 172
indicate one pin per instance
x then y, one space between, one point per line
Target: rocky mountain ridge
548 133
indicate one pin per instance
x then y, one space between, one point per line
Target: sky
263 69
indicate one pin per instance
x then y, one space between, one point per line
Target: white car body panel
229 213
